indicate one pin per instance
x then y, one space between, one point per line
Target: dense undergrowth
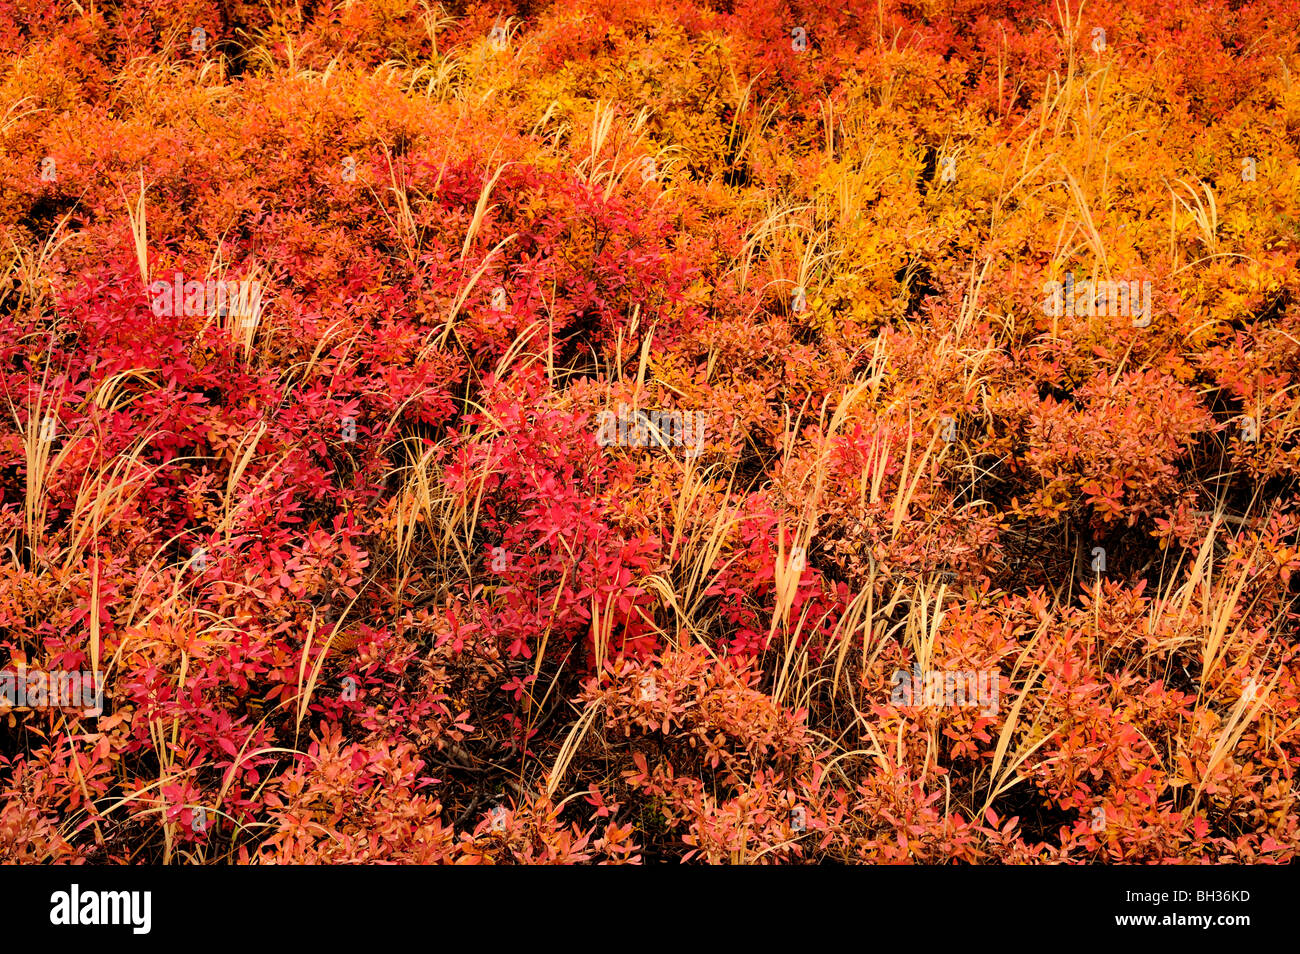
381 564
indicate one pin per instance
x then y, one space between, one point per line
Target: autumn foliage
367 580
